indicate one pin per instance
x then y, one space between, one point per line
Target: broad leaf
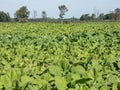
78 70
83 80
55 70
61 83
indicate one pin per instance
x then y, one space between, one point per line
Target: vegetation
22 14
113 16
44 16
63 9
49 56
4 17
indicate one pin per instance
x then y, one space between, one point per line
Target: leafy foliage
63 9
48 56
4 17
22 14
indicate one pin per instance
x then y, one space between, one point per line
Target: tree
112 16
22 14
117 13
63 9
82 18
93 17
101 16
85 17
44 14
4 17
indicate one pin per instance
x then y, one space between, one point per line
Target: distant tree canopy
63 9
4 17
117 14
22 14
44 14
85 17
113 16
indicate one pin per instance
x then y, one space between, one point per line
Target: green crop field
49 56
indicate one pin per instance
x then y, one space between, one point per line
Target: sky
76 7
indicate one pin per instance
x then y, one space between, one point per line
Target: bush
4 17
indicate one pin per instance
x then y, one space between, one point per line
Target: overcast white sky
76 7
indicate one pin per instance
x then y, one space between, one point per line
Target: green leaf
114 86
71 89
55 70
38 82
105 87
93 88
61 83
6 81
90 73
5 63
65 65
118 86
75 76
47 77
1 85
83 87
83 80
112 78
34 87
118 64
15 74
78 70
25 80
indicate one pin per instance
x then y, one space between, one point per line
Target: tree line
112 16
22 15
